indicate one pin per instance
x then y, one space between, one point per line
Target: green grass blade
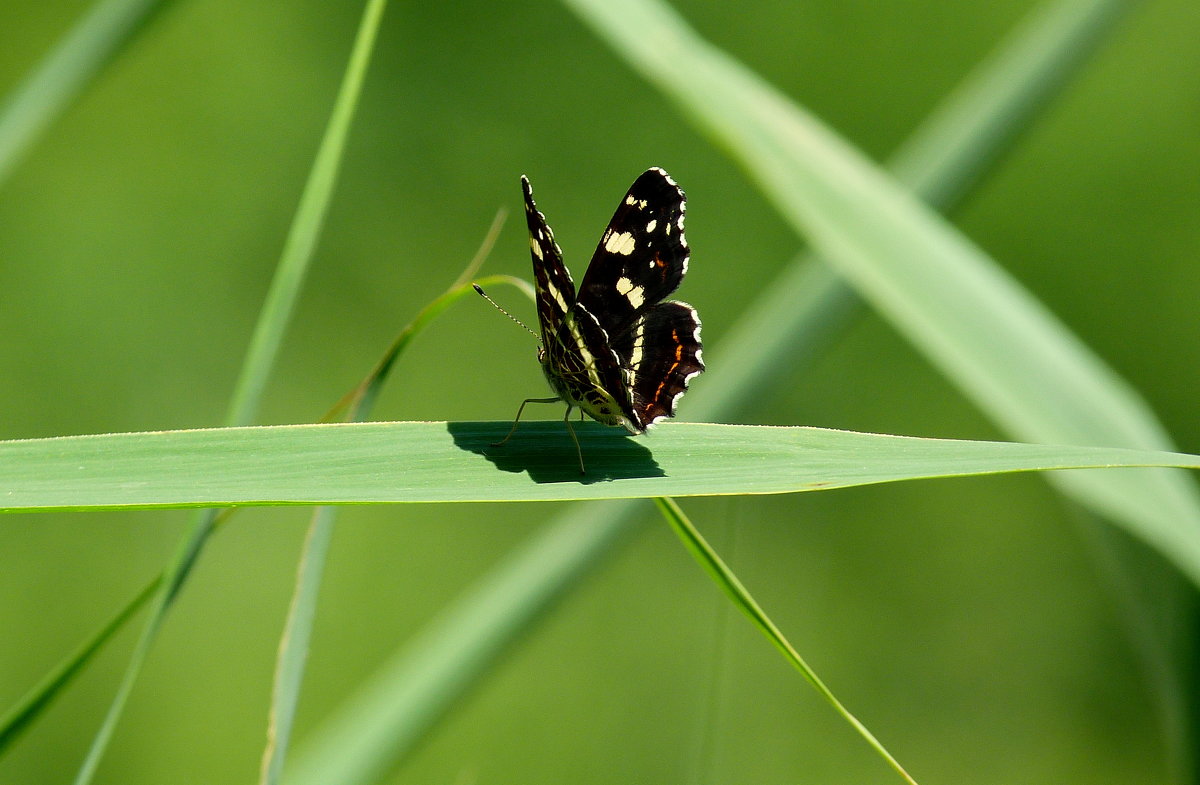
943 157
941 160
64 73
293 647
742 599
357 463
362 397
268 335
1001 346
987 111
19 717
388 714
306 227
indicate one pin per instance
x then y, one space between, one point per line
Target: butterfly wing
661 353
578 362
555 289
642 256
618 351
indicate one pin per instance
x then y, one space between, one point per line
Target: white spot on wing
620 243
635 294
635 356
536 247
651 226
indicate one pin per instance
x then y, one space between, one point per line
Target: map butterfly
617 350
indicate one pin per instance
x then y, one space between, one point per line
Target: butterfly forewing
555 290
642 255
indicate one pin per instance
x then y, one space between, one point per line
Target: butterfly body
617 350
575 376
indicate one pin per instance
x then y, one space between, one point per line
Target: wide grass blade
940 162
64 73
357 463
1012 356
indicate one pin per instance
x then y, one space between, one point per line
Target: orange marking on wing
674 365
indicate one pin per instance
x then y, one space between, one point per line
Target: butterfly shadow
545 451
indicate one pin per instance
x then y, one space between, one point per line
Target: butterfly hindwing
642 255
661 354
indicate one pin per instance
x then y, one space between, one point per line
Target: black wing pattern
555 289
620 352
661 354
641 258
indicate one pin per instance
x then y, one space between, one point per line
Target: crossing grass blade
294 643
260 358
724 577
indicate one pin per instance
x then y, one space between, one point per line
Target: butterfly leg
518 419
574 438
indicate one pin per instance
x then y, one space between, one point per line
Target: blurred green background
963 621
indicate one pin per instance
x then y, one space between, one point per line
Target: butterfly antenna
483 294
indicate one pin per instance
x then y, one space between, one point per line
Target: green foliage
210 218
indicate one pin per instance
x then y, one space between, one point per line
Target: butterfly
617 350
